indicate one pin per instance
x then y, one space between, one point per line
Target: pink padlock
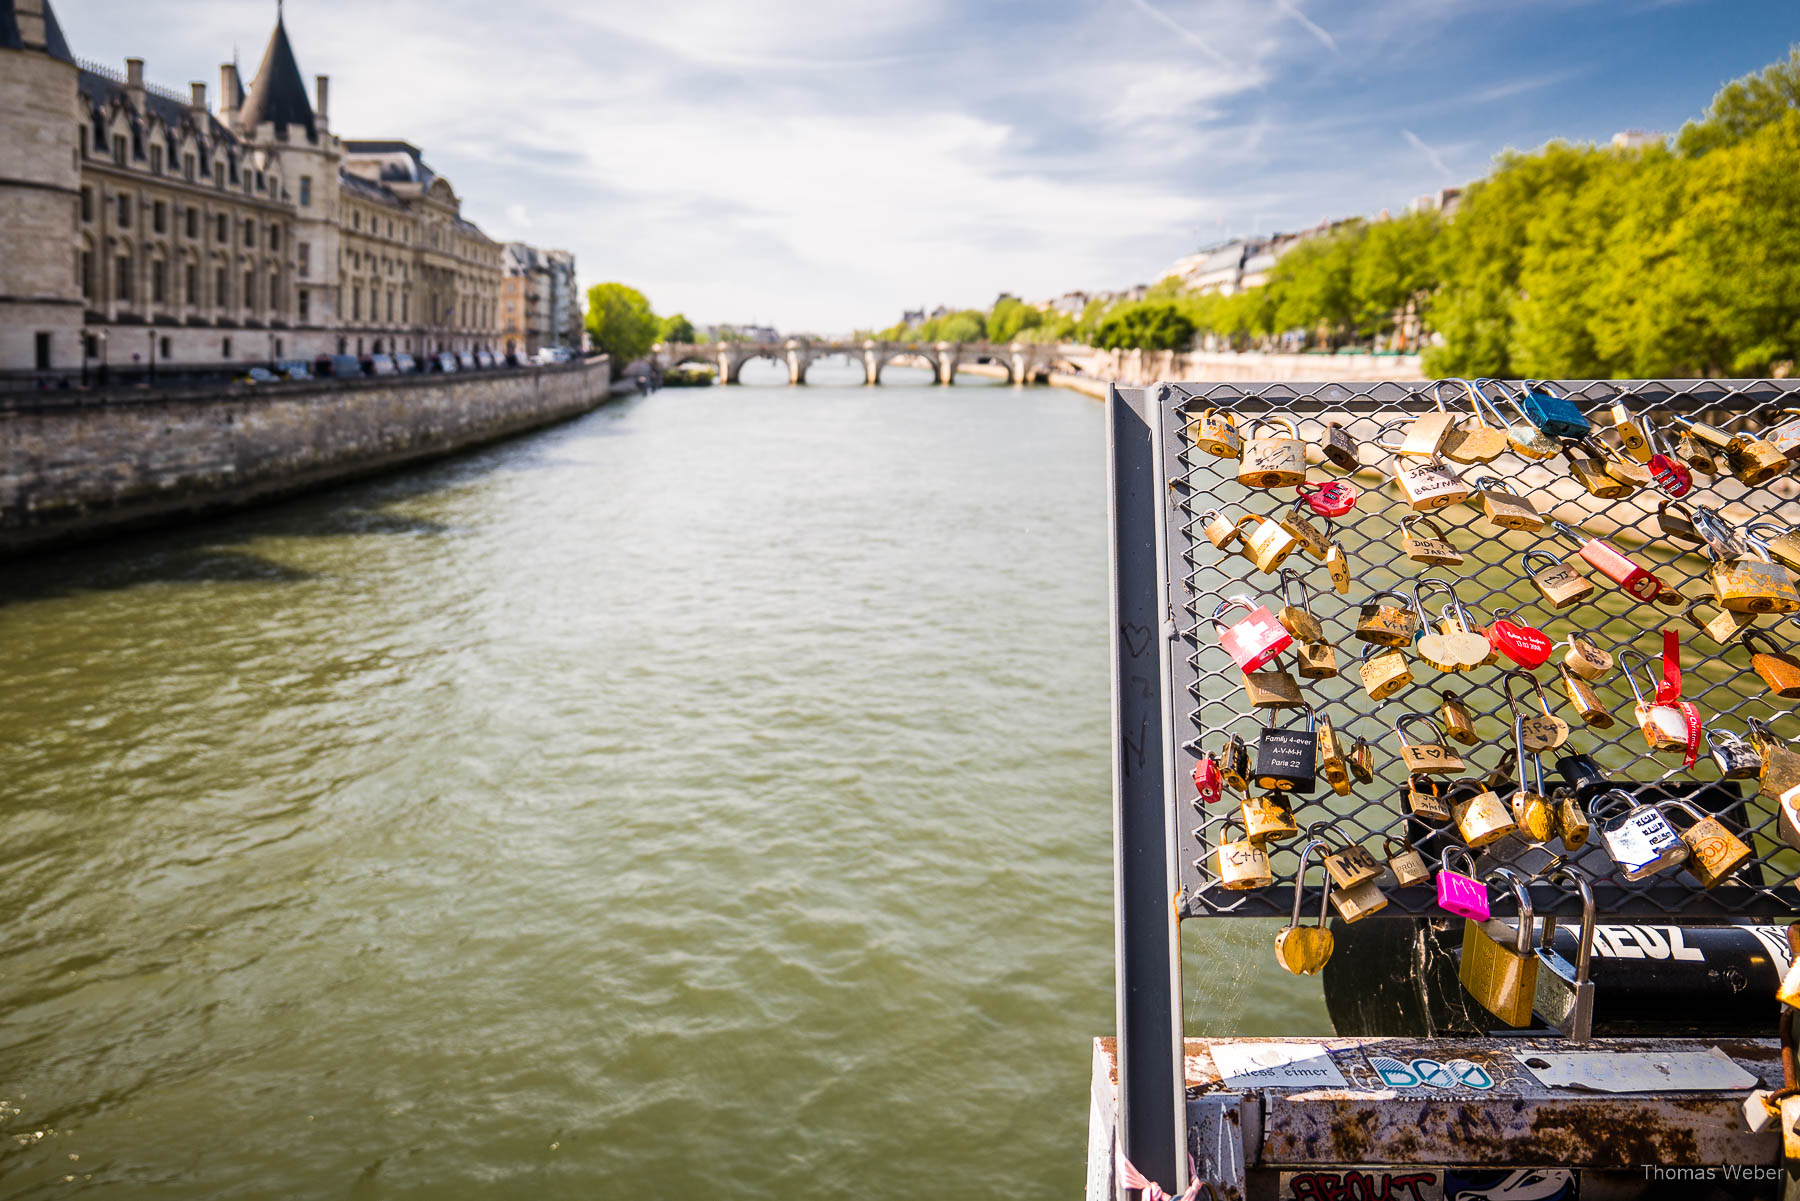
1255 641
1464 896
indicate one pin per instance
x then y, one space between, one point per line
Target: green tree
1744 106
1394 267
1311 283
1146 325
1010 318
620 322
678 329
969 325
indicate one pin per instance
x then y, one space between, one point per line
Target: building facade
143 227
540 304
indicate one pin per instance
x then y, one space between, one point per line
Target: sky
822 165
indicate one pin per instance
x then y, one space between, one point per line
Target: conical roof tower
278 95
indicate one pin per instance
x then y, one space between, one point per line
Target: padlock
1355 903
1780 773
1387 625
1572 825
1749 582
1234 764
1670 475
1504 507
1362 760
1316 660
1558 583
1404 861
1453 646
1426 483
1758 462
1254 641
1460 893
1531 811
1588 469
1695 455
1634 437
1286 760
1585 657
1584 775
1311 540
1469 643
1434 548
1426 800
1582 695
1272 462
1664 726
1243 864
1338 564
1269 545
1349 865
1423 436
1564 996
1785 435
1638 582
1621 467
1330 754
1208 784
1537 731
1525 439
1328 500
1676 522
1384 674
1779 670
1723 627
1779 542
1266 819
1216 433
1556 416
1219 529
1299 949
1338 447
1298 620
1473 440
1499 967
1735 758
1714 852
1426 758
1712 436
1458 722
1638 837
1525 645
1482 818
1272 689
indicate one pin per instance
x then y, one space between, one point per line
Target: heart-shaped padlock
1524 645
1303 950
1329 500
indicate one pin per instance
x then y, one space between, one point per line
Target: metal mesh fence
1209 700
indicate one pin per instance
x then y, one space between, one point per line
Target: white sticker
1276 1065
1710 1070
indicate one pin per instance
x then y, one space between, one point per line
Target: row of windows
90 347
356 222
125 284
125 149
159 219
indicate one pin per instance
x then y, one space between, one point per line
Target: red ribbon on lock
1524 645
1668 692
1207 779
1328 500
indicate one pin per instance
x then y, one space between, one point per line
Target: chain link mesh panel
1209 700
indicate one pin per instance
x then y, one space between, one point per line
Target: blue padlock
1556 416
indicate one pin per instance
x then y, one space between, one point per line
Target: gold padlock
1465 645
1426 758
1588 706
1502 976
1459 723
1316 660
1303 950
1434 548
1778 669
1425 799
1268 546
1531 811
1273 462
1779 543
1329 753
1585 657
1633 438
1506 508
1676 522
1558 583
1501 778
1234 764
1403 859
1355 903
1427 484
1314 543
1338 447
1350 864
1482 819
1572 824
1758 462
1338 564
1384 674
1623 467
1272 689
1424 436
1216 433
1219 529
1242 864
1362 760
1387 625
1696 455
1780 774
1525 439
1537 731
1723 627
1589 470
1712 436
1267 819
1473 440
1714 852
1750 582
1298 620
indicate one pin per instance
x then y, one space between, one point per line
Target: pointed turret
31 25
278 94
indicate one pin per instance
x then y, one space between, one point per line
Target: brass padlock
1349 865
1537 731
1384 674
1664 726
1712 436
1242 864
1338 564
1387 625
1696 455
1779 542
1723 627
1464 645
1623 468
1266 819
1338 447
1268 546
1778 669
1459 723
1216 433
1362 760
1272 688
1316 660
1426 758
1531 811
1314 543
1714 852
1482 819
1780 774
1298 620
1506 508
1330 753
1633 437
1303 950
1758 462
1676 522
1588 705
1558 583
1747 583
1424 436
1585 657
1355 903
1501 778
1434 548
1473 440
1589 470
1425 799
1502 975
1525 438
1273 462
1572 824
1234 764
1405 862
1219 529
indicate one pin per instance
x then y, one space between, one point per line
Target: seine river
708 797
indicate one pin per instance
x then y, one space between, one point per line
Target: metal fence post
1146 937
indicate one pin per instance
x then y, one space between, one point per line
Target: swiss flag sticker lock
1256 640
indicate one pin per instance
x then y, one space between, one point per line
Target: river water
708 797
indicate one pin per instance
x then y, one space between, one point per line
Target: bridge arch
909 350
855 358
739 359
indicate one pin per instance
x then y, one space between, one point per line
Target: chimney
134 74
197 96
324 89
228 89
30 17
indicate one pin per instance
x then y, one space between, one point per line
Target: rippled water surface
706 797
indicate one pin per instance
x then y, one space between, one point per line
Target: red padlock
1255 641
1328 500
1637 581
1208 781
1669 473
1525 645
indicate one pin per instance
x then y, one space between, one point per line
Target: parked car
259 375
483 359
548 355
295 370
446 362
381 364
346 366
465 360
321 366
406 364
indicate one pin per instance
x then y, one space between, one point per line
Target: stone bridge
1023 362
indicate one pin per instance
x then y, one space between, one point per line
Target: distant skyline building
539 302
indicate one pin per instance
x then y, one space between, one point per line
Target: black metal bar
1146 947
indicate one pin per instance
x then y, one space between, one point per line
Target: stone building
141 227
540 305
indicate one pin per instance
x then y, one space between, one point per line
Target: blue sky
822 164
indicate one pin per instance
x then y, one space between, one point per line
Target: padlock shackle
1526 558
1272 419
1590 918
1519 754
1751 632
1437 531
1600 805
1483 405
1234 601
1287 575
1756 529
1468 858
1632 652
1436 396
1545 386
1685 806
1387 846
1579 537
1506 679
1494 483
1521 888
1394 427
1313 844
1312 718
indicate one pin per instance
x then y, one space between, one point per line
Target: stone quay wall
77 465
